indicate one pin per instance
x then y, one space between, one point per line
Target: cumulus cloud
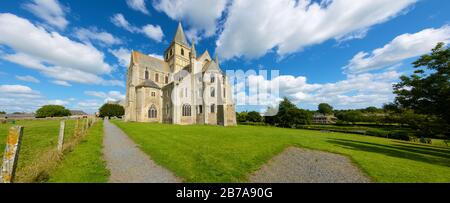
294 25
123 55
107 96
151 31
356 91
402 47
94 35
52 54
27 78
138 5
200 15
51 11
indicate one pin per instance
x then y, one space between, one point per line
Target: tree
427 91
289 115
2 112
241 117
52 111
111 110
371 109
254 116
325 108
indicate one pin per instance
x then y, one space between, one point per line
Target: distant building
78 114
319 118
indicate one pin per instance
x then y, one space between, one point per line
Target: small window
153 94
200 109
156 77
167 79
213 92
182 51
171 52
146 75
213 79
213 108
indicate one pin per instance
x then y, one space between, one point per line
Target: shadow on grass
399 151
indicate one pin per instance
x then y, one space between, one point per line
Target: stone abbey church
184 88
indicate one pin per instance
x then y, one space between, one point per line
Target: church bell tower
179 51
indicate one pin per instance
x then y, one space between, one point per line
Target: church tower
179 51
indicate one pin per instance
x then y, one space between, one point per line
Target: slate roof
180 37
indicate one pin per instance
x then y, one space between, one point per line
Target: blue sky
346 53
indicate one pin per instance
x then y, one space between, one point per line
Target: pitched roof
149 83
179 36
77 112
150 62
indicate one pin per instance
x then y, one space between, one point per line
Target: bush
52 111
111 110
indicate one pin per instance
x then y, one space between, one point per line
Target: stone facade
181 89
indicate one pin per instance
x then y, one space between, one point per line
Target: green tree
111 110
254 116
241 117
371 109
427 91
2 112
325 108
289 115
52 111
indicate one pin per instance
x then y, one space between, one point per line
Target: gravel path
296 165
127 163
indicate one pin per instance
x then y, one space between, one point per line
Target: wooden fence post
11 155
61 136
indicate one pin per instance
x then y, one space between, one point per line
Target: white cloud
52 54
138 5
61 83
21 35
157 56
15 89
200 15
107 96
93 35
294 25
402 47
57 102
123 56
357 91
151 31
51 11
28 78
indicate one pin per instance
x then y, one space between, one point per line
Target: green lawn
39 137
85 163
219 154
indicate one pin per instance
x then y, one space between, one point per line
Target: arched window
213 78
146 74
152 112
213 108
186 110
213 92
167 79
182 51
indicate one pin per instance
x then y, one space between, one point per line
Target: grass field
218 154
39 137
84 164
